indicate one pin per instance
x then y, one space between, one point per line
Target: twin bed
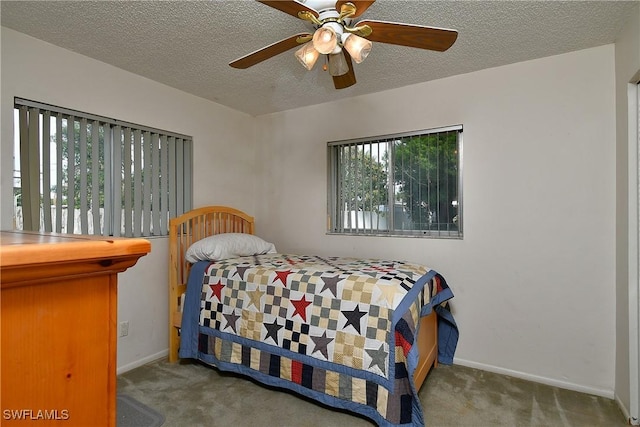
357 334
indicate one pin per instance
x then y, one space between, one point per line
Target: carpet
131 413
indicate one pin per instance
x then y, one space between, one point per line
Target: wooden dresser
58 314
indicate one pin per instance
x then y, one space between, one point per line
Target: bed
356 334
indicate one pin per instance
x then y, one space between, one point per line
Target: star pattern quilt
339 330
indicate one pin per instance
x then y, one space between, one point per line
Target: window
398 185
79 173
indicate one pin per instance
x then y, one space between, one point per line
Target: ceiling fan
342 37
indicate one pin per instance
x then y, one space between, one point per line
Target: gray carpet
192 395
131 413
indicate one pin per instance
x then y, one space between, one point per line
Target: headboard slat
185 230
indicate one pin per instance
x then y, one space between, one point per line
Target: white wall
534 275
223 156
627 64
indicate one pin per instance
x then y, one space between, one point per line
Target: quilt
338 330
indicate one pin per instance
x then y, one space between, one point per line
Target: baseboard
609 394
129 366
625 411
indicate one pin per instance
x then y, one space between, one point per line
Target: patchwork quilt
338 330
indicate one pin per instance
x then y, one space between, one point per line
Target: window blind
86 174
406 184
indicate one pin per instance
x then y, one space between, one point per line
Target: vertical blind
85 174
407 184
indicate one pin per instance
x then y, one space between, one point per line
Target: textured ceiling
188 44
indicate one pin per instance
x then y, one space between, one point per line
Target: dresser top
25 247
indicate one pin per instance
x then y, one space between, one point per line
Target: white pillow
227 245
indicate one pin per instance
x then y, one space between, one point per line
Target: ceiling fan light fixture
338 65
307 55
325 40
358 47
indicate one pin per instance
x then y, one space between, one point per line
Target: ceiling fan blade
419 36
291 7
268 52
361 5
348 79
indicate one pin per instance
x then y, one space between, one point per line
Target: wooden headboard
184 231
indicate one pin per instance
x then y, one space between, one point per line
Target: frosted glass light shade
307 55
338 65
358 47
325 40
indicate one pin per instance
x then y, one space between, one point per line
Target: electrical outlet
123 329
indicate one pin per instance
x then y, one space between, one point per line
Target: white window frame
379 220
